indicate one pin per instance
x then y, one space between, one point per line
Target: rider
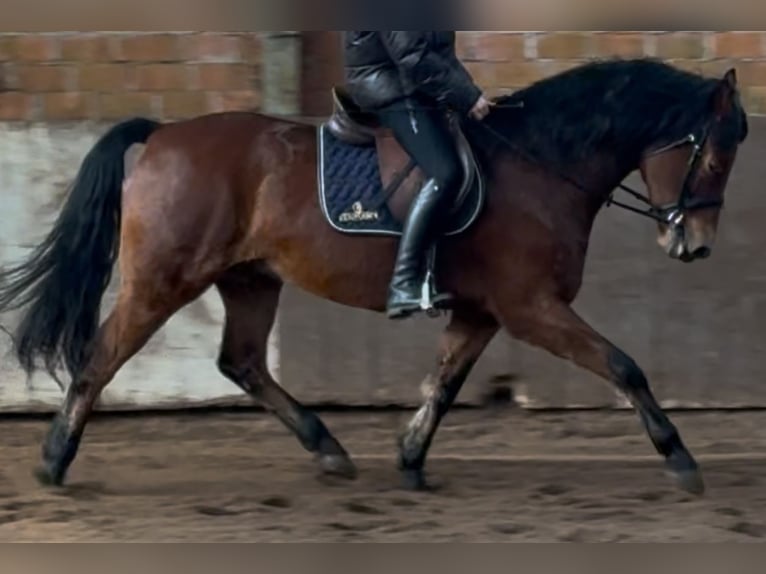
408 80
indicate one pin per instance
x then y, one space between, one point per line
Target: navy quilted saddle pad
350 186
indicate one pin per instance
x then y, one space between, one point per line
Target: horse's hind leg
251 300
127 329
463 341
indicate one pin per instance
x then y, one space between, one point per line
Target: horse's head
687 178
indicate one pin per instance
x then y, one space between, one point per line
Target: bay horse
230 200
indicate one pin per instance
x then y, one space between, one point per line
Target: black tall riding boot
419 234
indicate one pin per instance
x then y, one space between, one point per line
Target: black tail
66 276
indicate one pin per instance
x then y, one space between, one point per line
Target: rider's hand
481 108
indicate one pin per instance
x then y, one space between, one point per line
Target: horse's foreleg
463 341
554 326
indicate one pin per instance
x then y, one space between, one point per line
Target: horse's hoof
401 314
686 474
689 480
46 478
338 465
433 313
415 481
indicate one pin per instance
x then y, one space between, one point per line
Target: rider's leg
423 132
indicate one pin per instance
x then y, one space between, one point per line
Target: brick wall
109 76
67 76
322 67
504 61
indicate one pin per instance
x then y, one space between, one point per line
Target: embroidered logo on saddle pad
357 213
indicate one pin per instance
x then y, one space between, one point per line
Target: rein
672 214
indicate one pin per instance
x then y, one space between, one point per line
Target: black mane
612 104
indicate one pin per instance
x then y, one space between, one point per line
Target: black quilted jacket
384 67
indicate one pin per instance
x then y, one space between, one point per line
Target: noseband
673 214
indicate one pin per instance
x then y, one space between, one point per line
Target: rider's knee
449 179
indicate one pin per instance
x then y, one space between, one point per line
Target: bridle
671 214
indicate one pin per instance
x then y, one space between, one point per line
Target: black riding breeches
424 133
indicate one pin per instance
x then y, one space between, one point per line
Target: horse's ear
725 93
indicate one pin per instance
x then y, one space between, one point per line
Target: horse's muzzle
678 245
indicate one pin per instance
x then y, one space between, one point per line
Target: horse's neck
598 176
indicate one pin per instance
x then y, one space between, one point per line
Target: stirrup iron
430 302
